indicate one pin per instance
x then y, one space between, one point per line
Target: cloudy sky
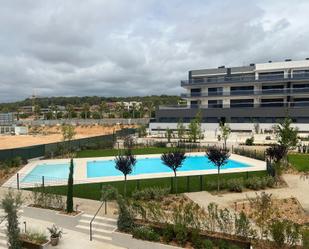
138 47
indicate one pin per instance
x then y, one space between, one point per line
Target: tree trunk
125 186
218 180
176 187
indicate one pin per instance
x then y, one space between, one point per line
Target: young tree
219 158
11 204
37 111
174 160
141 130
275 154
102 108
181 130
68 133
125 164
287 135
70 111
108 193
86 110
169 133
70 188
225 132
195 129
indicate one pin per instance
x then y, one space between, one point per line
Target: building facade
263 93
6 123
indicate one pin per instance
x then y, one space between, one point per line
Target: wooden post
201 182
172 185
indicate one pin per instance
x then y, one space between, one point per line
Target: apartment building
7 122
262 93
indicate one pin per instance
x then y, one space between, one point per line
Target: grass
114 152
93 190
299 161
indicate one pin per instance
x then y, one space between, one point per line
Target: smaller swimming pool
105 168
48 171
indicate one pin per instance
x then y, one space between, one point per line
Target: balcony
298 104
246 78
284 91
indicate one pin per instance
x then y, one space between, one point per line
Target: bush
181 234
168 233
208 244
152 193
125 220
235 185
145 233
253 183
34 236
222 244
249 141
13 162
160 144
305 238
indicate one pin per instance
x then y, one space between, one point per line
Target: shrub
13 162
249 141
145 233
235 185
125 220
253 183
168 233
270 181
305 238
148 194
181 234
34 236
208 244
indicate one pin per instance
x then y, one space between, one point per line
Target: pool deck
80 170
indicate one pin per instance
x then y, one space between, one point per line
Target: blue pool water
155 165
48 171
107 168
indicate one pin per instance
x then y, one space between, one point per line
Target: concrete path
297 187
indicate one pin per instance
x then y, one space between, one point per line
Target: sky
138 47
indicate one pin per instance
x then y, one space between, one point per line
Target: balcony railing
297 104
284 91
247 78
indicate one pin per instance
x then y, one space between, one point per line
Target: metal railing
283 91
247 78
93 218
298 104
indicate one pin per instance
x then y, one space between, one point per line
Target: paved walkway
297 187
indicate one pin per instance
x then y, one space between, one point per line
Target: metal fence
77 121
29 152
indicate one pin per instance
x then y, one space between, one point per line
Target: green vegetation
185 184
11 204
114 152
299 161
69 207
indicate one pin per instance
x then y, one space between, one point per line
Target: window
236 103
196 92
215 91
271 76
238 90
272 102
215 103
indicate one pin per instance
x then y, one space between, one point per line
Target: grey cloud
121 48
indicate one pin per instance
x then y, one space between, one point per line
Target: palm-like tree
70 110
54 109
134 106
219 157
141 110
125 164
86 110
150 107
120 109
102 108
174 160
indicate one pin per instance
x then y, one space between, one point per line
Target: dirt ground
43 135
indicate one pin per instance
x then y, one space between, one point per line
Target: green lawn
299 161
114 152
185 184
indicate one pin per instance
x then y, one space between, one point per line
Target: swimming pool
154 165
48 171
87 169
